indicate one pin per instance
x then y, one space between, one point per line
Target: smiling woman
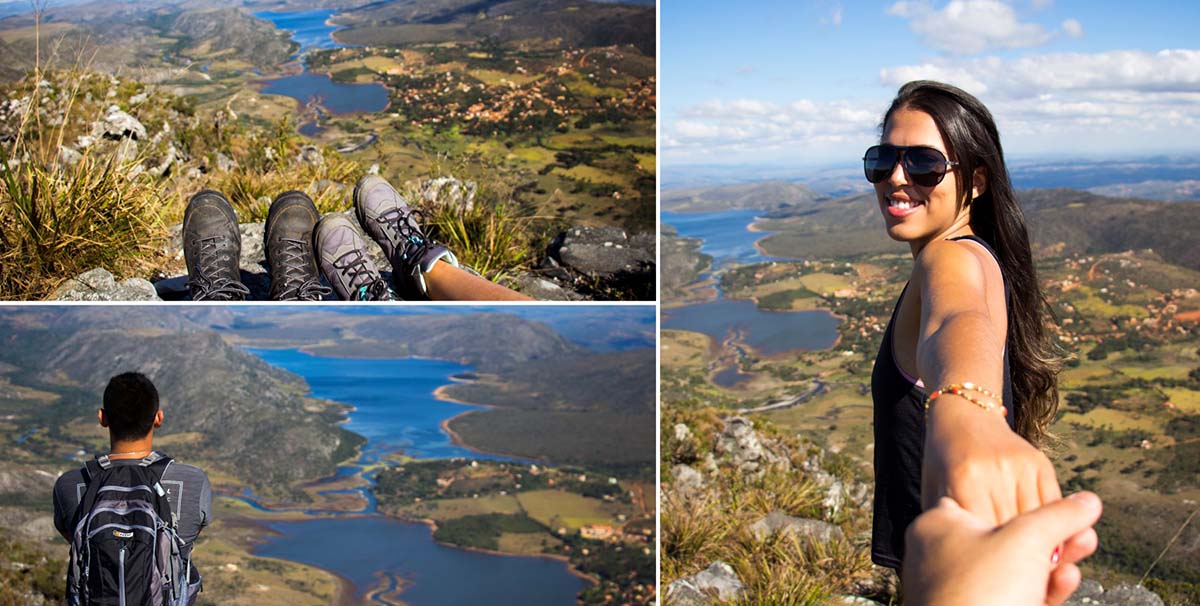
970 320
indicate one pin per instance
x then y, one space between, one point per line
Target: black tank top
900 441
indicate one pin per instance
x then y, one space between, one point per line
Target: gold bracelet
960 390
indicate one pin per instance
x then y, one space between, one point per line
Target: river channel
728 239
396 410
311 30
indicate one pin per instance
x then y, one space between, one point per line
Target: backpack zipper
121 577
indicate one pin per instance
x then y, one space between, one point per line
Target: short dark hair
130 403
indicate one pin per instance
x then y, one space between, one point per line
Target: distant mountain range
1061 221
764 195
228 408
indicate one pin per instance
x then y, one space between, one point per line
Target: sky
805 84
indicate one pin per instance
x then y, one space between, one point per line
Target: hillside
591 409
765 195
569 23
223 407
488 341
1061 222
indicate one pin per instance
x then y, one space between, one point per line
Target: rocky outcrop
448 191
717 582
741 445
604 251
99 285
1092 593
779 523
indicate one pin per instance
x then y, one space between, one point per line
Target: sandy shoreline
455 439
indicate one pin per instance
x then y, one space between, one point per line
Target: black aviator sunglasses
925 166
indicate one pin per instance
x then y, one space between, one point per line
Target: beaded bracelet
960 390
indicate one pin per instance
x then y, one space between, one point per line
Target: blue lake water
726 235
728 240
309 30
395 410
336 97
394 406
360 548
768 332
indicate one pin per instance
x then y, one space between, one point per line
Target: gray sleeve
190 495
66 501
205 501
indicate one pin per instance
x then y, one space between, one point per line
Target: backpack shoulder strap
92 472
162 504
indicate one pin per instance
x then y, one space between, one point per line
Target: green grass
558 508
57 220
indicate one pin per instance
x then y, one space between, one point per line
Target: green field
560 509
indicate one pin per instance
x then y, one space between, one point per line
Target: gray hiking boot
387 218
342 255
288 241
212 248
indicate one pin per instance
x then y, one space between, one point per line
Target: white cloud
1073 28
967 27
754 126
1132 92
1060 102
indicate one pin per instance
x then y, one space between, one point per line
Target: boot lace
298 285
208 284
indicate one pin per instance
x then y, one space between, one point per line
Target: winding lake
768 332
727 238
395 409
726 234
310 30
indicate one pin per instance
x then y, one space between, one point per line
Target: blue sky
804 83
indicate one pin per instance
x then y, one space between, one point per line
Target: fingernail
1056 554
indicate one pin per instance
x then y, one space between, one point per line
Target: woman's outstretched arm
971 455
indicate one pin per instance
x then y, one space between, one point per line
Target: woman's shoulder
963 259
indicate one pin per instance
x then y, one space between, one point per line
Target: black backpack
124 547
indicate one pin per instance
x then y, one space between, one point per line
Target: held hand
973 457
954 558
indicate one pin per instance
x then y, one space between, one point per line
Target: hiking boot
342 255
287 240
212 247
387 218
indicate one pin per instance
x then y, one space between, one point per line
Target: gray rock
68 156
311 155
1088 592
717 581
688 482
168 159
604 251
138 99
99 285
741 445
778 522
1130 595
225 163
118 125
682 432
448 191
544 290
853 600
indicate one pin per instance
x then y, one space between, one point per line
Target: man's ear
158 418
100 417
979 182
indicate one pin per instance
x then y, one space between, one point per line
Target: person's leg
446 282
422 268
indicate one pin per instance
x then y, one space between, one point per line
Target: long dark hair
972 140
